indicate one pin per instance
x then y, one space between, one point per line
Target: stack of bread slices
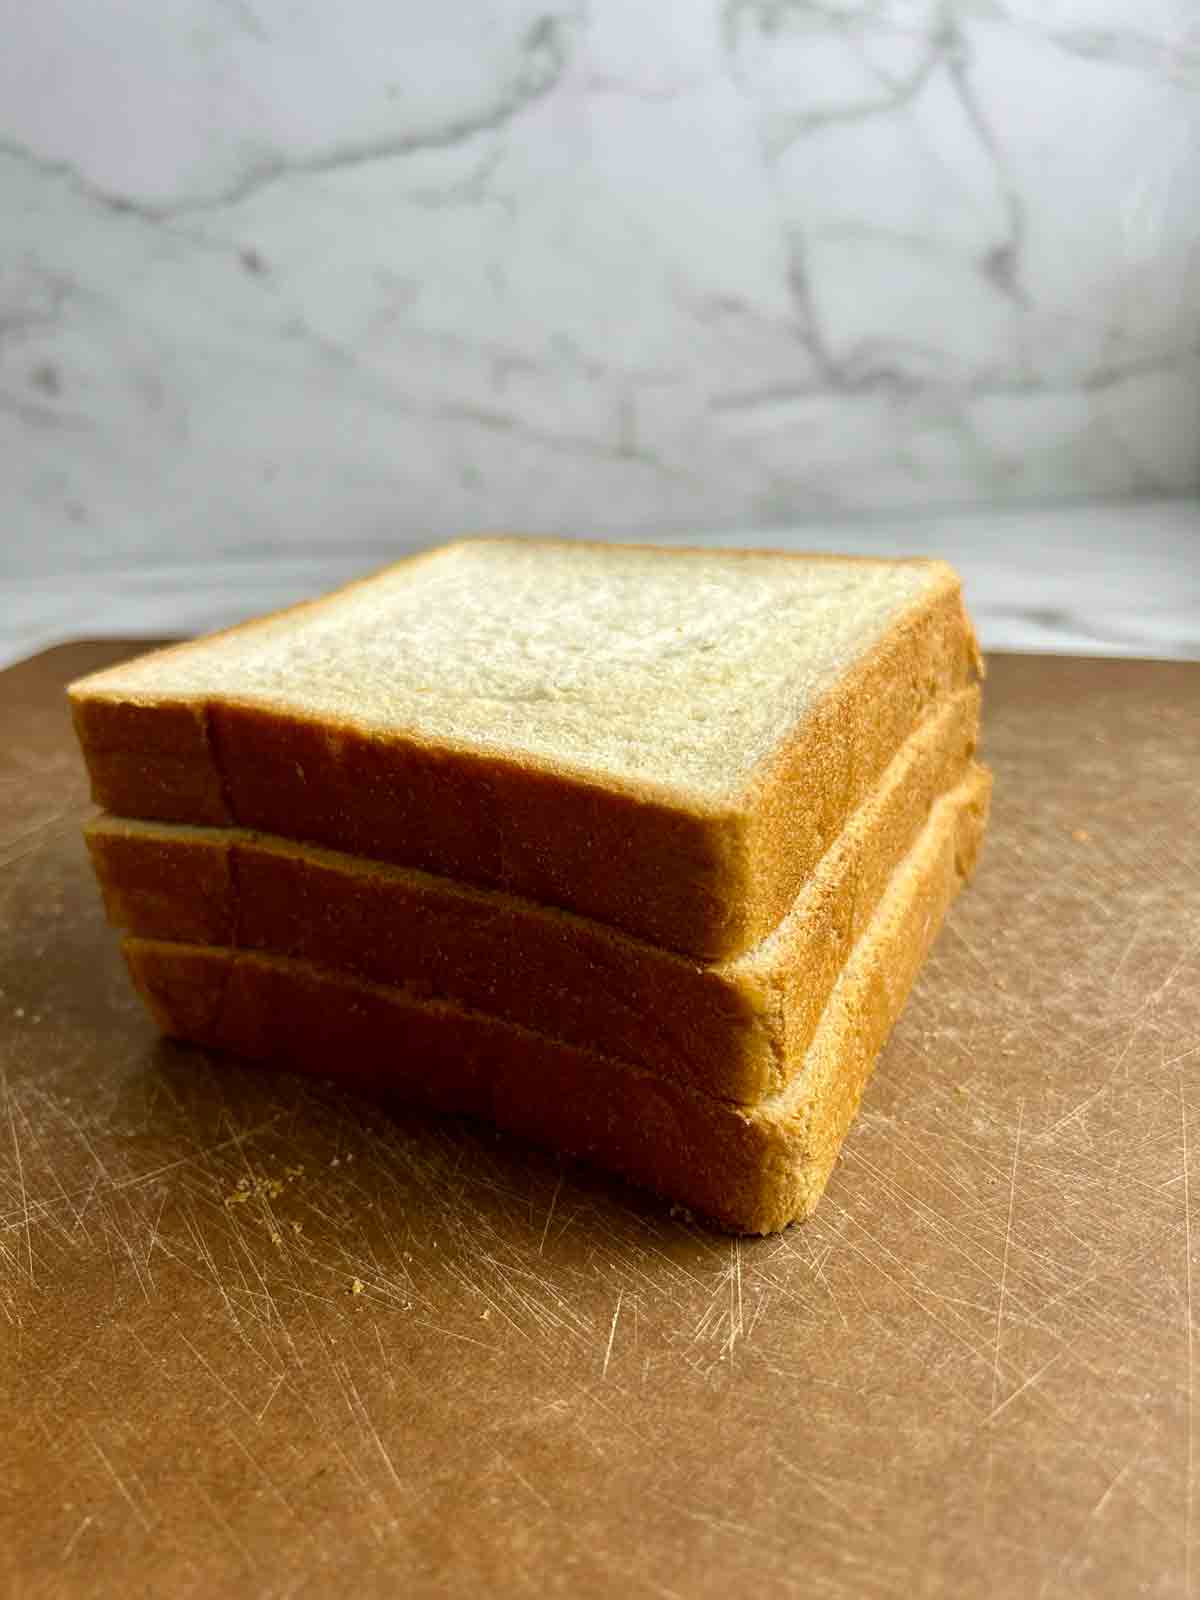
635 851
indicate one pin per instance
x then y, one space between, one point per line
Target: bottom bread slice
751 1169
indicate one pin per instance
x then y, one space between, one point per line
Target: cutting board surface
259 1336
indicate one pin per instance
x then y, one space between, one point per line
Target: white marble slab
1088 580
273 272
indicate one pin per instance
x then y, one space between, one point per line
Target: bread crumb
357 1286
1080 835
258 1186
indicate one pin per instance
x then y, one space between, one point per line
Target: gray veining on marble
274 273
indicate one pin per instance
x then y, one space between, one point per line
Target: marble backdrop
275 273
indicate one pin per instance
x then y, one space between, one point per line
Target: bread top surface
672 669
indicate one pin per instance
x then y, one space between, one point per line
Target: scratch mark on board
1012 1197
812 1480
1030 1382
550 1214
371 1431
122 1486
1098 1509
612 1334
69 1547
1095 1513
523 1481
736 1318
450 1333
16 1144
278 1385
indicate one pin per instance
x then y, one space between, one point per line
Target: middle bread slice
727 1028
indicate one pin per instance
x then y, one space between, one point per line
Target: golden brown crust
706 881
839 753
752 1171
730 1029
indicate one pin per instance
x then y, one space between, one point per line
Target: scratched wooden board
258 1336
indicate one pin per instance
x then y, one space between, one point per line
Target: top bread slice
666 740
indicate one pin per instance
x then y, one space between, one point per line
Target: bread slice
666 740
732 1029
752 1170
